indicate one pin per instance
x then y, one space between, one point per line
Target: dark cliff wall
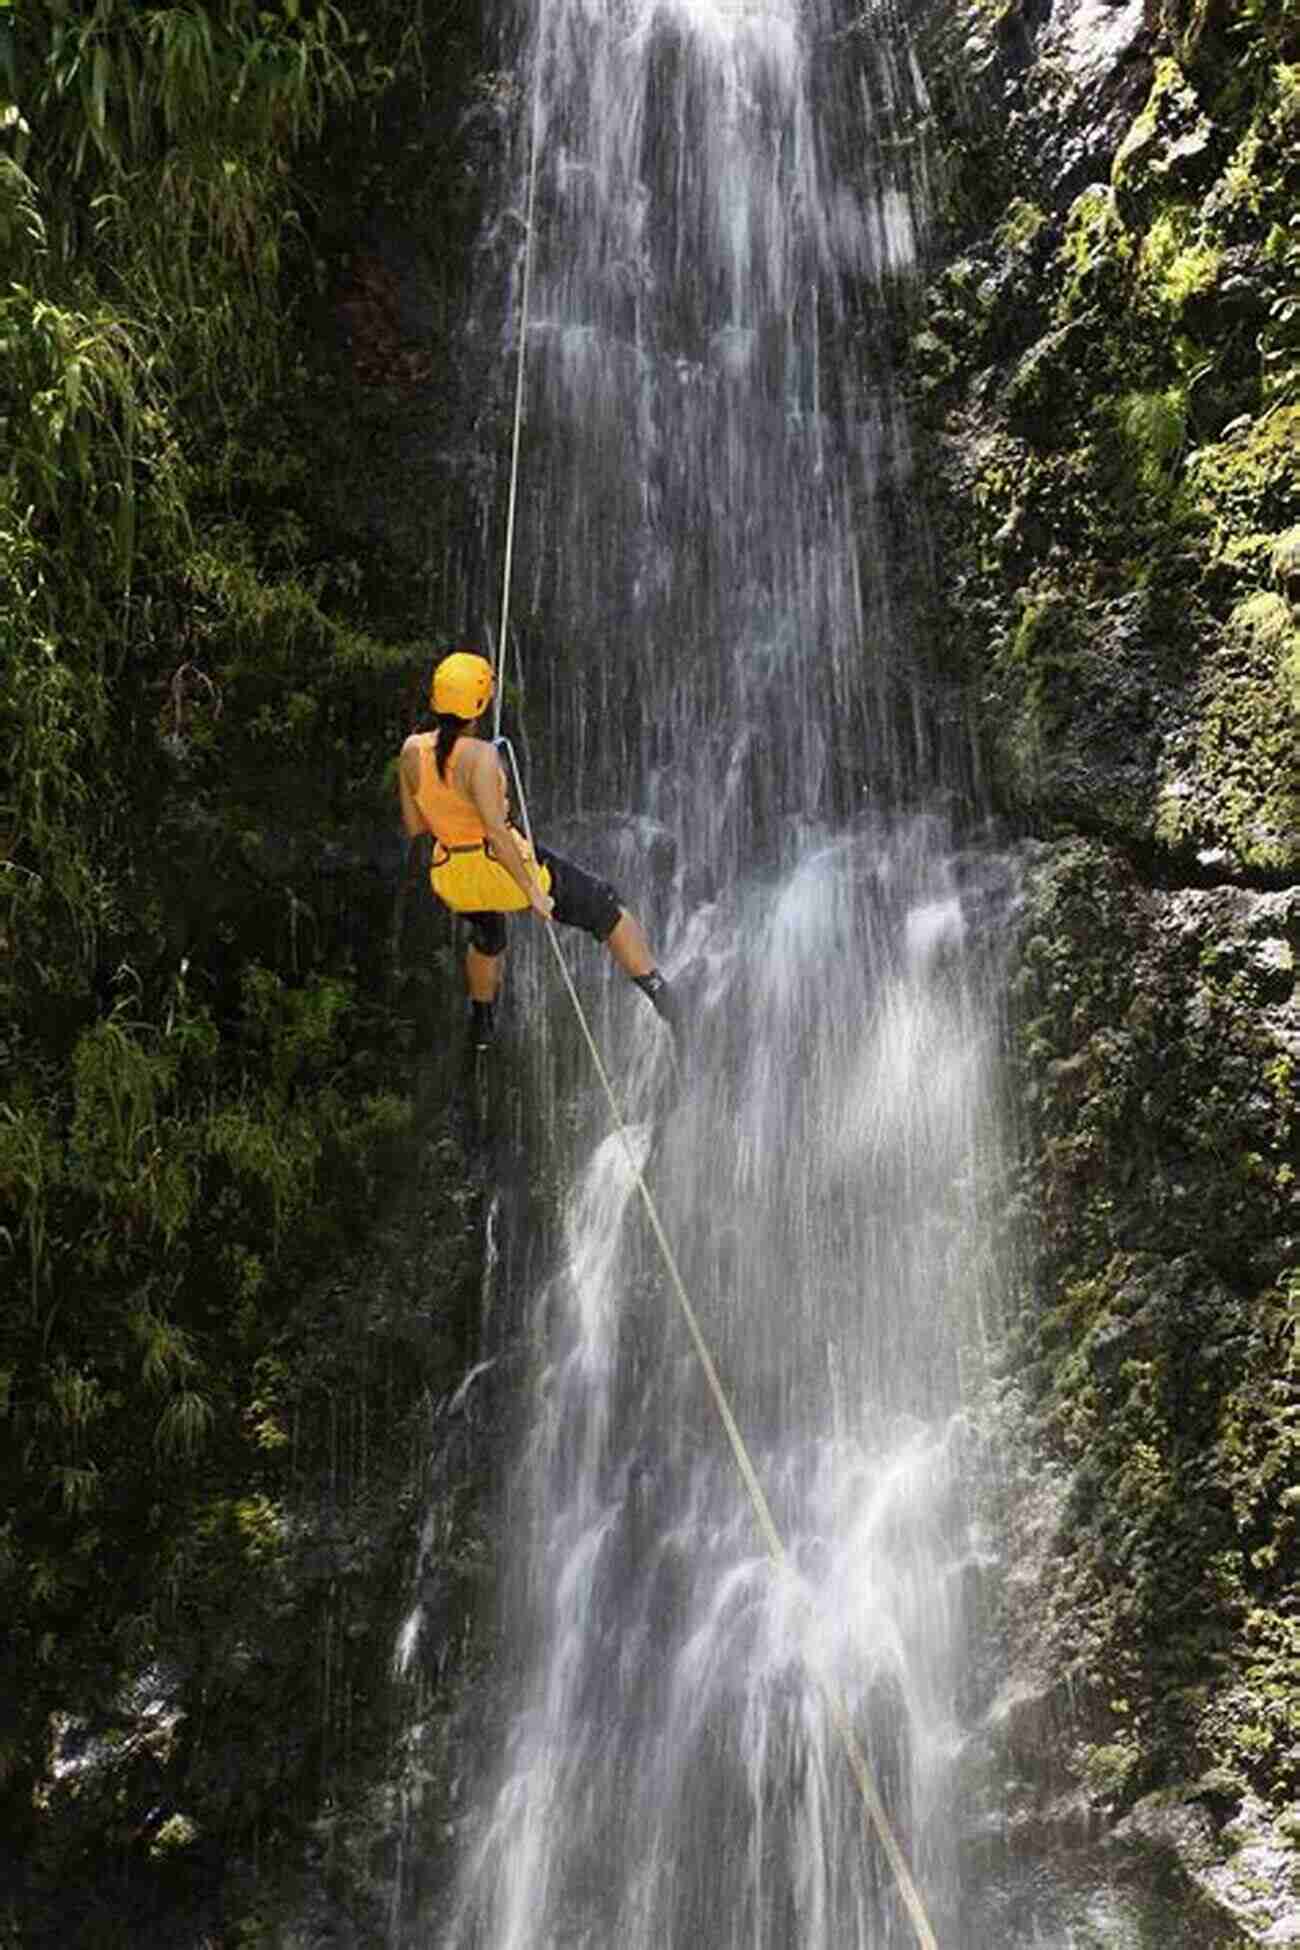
1107 366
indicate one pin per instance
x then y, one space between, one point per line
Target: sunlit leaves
119 1087
166 1349
122 82
85 414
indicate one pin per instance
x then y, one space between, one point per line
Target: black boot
482 1024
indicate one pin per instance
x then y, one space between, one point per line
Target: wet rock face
1153 1350
1108 360
1108 364
1078 70
1102 54
1081 705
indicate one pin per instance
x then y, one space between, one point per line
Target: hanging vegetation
206 1102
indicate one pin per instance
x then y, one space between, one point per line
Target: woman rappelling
453 785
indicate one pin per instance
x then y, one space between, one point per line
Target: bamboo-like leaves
31 1165
94 81
186 66
8 60
184 1424
126 1136
83 406
157 1175
46 1581
169 126
126 84
52 899
78 1486
22 227
166 1350
78 1398
124 522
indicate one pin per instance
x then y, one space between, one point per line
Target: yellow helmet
462 685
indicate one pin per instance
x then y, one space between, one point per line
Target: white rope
749 1476
499 663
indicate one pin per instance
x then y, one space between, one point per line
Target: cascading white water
715 587
671 1775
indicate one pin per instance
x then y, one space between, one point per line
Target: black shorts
581 901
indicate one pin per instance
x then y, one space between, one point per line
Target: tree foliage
205 1104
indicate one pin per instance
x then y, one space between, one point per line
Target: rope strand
499 662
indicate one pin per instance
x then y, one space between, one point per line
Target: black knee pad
487 933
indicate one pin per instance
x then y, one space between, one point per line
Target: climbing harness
835 1701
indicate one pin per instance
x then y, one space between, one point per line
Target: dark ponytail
449 730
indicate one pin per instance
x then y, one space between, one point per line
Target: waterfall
719 583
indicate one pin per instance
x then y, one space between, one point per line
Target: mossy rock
1022 225
1044 392
1257 183
979 309
1171 146
1242 489
1187 22
1284 561
1078 706
1231 779
1153 429
933 360
1153 1029
1093 263
1177 265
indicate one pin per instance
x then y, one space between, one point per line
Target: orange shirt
450 812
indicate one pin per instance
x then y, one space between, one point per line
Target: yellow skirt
473 882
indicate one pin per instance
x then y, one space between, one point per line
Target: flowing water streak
715 555
714 522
